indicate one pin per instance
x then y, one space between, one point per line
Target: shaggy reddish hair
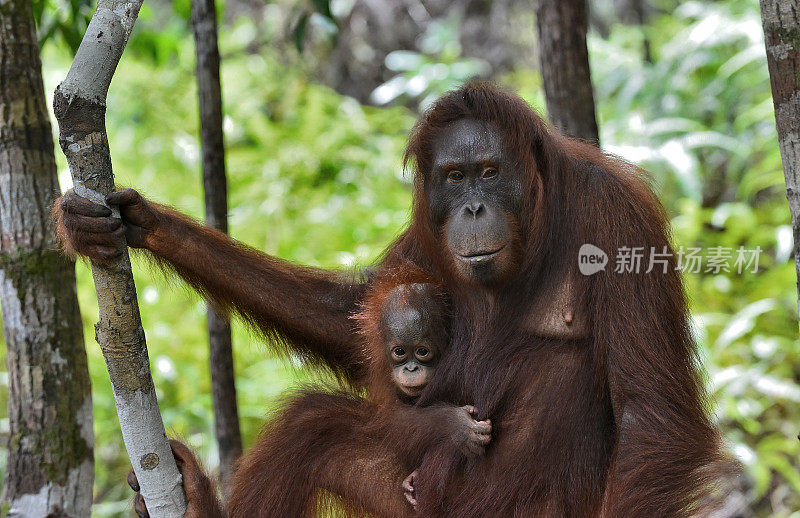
379 369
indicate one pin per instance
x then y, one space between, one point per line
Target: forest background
318 101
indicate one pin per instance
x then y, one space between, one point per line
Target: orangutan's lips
414 390
478 257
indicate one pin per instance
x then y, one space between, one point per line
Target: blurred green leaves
423 76
65 20
319 14
700 116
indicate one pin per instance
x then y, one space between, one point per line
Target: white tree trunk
80 103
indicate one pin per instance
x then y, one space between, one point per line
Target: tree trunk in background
564 60
80 107
781 22
633 12
369 30
640 14
223 388
50 452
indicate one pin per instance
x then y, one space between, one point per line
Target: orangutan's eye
489 173
455 177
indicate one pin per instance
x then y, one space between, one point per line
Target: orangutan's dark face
474 192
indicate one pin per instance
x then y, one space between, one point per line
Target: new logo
591 259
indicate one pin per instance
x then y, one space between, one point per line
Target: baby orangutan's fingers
482 427
408 486
407 483
481 439
411 500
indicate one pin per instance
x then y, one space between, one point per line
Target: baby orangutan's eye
423 353
398 353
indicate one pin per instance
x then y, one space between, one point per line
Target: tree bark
634 12
80 103
781 22
50 465
564 60
223 388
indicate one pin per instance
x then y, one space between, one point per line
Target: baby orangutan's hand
408 487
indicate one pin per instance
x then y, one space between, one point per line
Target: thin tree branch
80 105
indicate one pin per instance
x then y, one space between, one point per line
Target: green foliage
701 115
160 33
316 178
62 19
424 76
318 13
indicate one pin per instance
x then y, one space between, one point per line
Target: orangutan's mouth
477 257
413 390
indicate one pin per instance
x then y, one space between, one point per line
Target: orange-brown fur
615 423
322 433
379 370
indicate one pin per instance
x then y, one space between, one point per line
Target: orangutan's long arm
307 309
413 430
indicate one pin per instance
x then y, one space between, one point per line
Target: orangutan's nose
474 209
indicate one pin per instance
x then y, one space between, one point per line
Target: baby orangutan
404 328
405 323
413 334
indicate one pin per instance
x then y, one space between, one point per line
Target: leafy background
315 177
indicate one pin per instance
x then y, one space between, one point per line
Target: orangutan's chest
559 315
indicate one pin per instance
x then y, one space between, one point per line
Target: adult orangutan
591 382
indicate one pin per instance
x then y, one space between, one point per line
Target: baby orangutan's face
413 366
410 318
